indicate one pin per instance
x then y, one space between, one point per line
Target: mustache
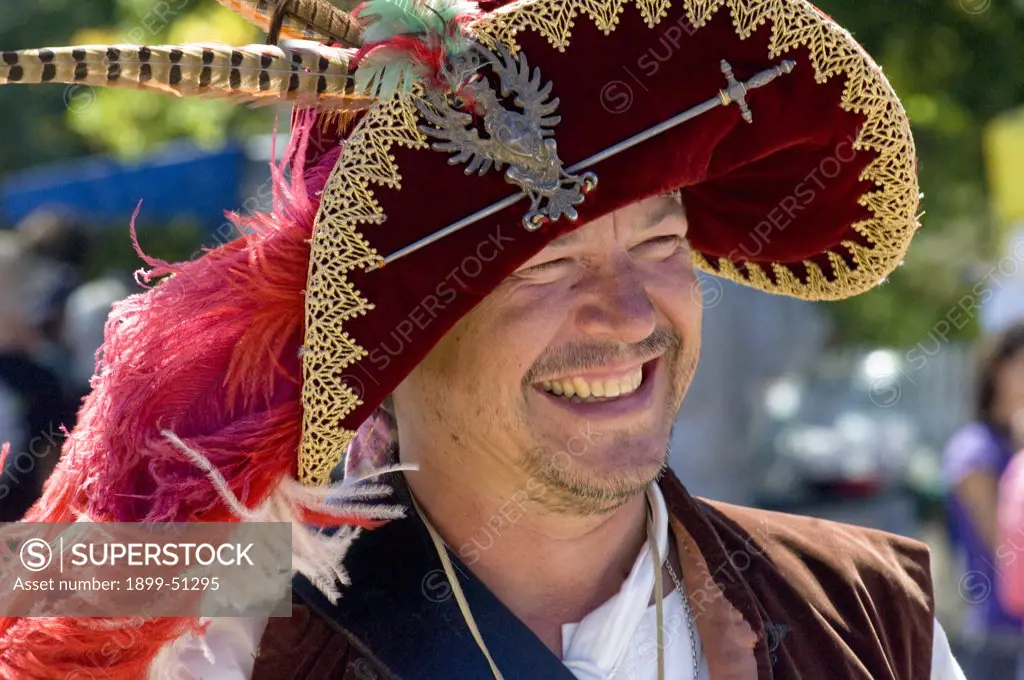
583 357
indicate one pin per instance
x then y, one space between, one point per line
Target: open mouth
608 388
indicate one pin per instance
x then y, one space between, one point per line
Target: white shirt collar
593 647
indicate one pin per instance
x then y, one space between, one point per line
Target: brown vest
774 595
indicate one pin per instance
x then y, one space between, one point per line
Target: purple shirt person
979 449
975 459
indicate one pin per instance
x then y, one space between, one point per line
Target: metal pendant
522 139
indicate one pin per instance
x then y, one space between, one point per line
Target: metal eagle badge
520 136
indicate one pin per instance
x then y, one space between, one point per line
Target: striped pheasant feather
300 73
304 19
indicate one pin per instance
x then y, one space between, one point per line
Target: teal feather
384 73
391 78
388 67
388 18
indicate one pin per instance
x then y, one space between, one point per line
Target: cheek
1016 394
1011 382
1017 378
515 334
674 289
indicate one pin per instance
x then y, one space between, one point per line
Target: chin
597 481
622 479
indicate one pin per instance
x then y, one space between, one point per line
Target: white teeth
611 388
581 387
580 390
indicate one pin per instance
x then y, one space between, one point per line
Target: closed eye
546 269
545 266
660 246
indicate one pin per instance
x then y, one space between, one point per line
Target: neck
547 568
1011 426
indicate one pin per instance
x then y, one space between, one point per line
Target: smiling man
499 190
598 333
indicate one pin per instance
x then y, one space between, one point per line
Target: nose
616 305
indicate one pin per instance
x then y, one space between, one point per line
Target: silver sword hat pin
735 92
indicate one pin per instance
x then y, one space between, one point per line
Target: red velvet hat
437 147
804 186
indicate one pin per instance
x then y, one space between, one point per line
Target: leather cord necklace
467 614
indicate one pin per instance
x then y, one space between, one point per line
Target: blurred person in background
59 243
1010 549
32 405
975 459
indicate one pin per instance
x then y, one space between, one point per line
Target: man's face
571 372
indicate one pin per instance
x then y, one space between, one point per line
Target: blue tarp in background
180 180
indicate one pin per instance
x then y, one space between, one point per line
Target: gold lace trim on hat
333 378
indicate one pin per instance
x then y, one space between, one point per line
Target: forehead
638 216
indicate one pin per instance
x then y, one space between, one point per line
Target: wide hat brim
816 198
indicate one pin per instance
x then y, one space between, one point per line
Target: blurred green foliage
35 127
61 121
956 63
